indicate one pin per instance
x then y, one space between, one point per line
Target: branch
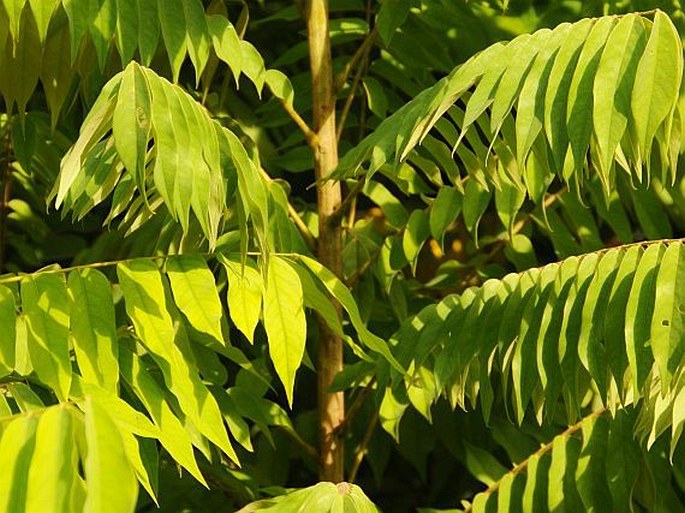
361 452
355 406
339 212
309 134
365 47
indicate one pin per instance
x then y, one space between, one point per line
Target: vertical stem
5 194
325 148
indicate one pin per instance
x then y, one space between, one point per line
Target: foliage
163 298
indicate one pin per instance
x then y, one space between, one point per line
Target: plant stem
363 446
329 197
6 194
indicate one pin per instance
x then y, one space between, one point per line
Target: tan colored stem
329 197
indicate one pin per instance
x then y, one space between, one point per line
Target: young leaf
194 290
245 290
284 321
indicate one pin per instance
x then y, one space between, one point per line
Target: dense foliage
501 278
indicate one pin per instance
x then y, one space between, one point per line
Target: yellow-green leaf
194 290
45 306
111 481
284 321
93 328
657 87
16 449
131 122
55 464
245 290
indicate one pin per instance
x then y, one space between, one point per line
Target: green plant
170 350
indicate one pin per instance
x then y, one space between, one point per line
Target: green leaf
510 492
390 18
342 294
660 70
197 38
194 290
535 491
513 78
580 98
42 13
558 85
245 290
55 464
8 332
415 234
226 43
78 13
444 211
562 491
24 58
530 107
284 321
482 464
146 304
476 200
26 399
667 323
14 8
615 320
172 435
317 299
280 85
613 86
375 96
103 18
148 33
172 165
639 311
57 72
131 123
591 471
623 461
591 350
128 25
94 127
173 24
252 65
93 328
111 481
45 305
